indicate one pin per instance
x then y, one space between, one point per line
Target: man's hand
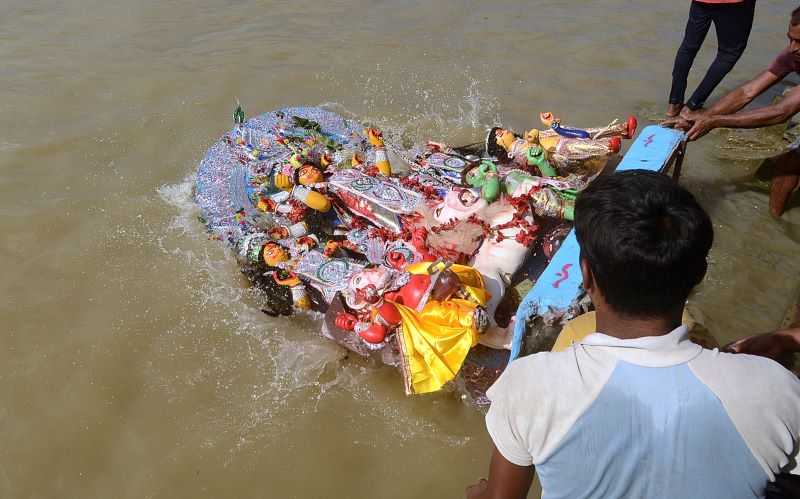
677 123
702 125
475 491
506 480
771 345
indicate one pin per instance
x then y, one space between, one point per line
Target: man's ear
588 277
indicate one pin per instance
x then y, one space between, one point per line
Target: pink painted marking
564 275
649 140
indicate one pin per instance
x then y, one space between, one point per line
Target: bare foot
673 110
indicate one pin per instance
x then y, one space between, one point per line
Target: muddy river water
134 362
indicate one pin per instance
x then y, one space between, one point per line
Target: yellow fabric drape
435 341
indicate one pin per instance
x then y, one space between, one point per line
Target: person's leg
696 30
785 180
733 23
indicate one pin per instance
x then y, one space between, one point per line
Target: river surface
134 360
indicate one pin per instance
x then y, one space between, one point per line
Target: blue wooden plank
556 288
652 149
559 284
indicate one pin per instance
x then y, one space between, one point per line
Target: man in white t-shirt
636 409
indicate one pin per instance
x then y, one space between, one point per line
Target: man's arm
506 480
754 118
742 96
730 102
772 345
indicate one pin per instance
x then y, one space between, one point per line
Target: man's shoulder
784 56
546 364
538 398
540 360
542 375
783 64
740 365
538 366
580 371
761 397
746 375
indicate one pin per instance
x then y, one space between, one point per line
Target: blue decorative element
572 133
557 287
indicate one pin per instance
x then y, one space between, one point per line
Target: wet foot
673 110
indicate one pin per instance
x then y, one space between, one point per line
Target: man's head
644 240
794 33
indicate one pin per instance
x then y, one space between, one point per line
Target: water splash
288 366
437 99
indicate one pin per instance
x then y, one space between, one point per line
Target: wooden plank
556 289
653 149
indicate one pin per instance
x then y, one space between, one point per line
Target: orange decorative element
375 137
331 247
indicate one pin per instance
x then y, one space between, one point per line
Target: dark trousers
732 23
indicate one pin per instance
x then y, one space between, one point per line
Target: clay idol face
505 139
274 254
458 204
377 277
309 174
366 286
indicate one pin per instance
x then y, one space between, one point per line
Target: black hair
795 17
645 239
